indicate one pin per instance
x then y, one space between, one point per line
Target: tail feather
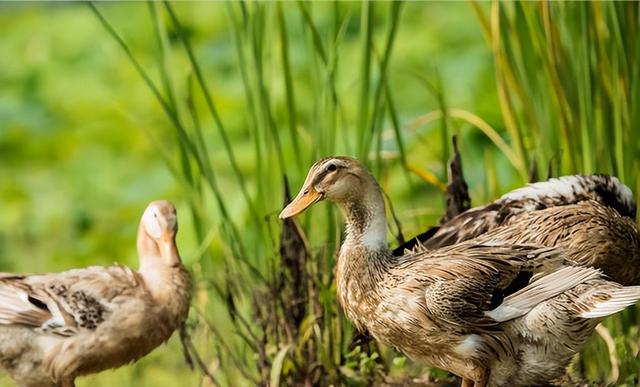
544 288
620 299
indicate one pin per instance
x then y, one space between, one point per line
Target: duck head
338 179
346 182
160 221
157 234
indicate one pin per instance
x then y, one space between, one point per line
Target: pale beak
306 197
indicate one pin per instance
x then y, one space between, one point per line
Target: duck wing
542 289
21 305
467 280
64 303
474 289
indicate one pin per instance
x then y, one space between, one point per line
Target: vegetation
222 107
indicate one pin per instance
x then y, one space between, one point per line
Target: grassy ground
210 105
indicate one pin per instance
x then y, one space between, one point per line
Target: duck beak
306 197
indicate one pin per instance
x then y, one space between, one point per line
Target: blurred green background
85 144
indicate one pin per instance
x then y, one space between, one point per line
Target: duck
591 234
591 216
55 327
462 307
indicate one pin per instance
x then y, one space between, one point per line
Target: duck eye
331 167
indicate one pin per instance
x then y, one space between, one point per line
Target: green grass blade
288 80
213 110
365 79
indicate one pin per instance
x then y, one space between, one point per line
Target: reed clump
319 79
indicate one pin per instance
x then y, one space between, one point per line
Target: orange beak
306 197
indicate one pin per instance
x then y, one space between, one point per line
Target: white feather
620 299
554 187
546 287
566 187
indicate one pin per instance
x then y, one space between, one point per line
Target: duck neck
366 221
364 256
158 262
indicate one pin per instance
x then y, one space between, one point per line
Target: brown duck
55 327
590 217
459 308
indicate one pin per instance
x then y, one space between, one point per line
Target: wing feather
16 307
461 288
542 289
618 300
64 303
